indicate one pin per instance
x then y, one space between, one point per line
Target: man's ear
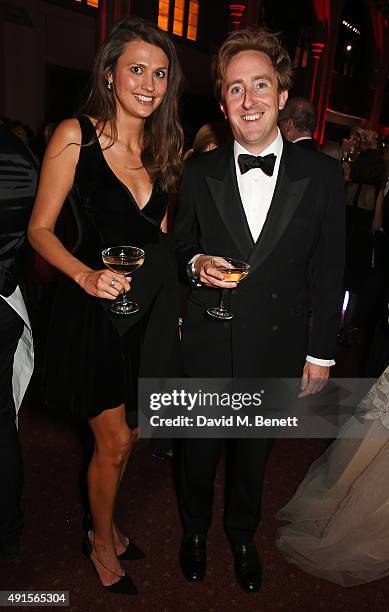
222 110
282 98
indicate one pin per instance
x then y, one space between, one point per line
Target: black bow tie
266 163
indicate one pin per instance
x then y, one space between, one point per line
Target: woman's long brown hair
163 136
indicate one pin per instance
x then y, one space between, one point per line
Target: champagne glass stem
223 300
124 299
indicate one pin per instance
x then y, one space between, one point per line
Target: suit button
274 296
292 261
275 328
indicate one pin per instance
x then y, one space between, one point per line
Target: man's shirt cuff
191 271
320 362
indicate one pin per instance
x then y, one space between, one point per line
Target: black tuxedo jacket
18 182
296 266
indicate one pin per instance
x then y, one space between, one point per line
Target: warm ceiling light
349 47
350 26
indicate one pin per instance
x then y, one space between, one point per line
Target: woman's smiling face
139 79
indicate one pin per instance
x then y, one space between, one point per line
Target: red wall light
317 49
237 10
236 14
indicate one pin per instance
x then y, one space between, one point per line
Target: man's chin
252 140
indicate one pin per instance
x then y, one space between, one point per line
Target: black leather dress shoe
193 557
248 570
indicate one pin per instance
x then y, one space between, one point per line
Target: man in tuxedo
297 122
18 181
279 208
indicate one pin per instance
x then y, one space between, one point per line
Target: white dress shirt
256 192
302 138
24 354
257 188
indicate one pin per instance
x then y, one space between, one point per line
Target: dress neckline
140 209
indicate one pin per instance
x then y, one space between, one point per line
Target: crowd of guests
246 193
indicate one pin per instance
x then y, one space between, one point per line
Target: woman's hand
103 283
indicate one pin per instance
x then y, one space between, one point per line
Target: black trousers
245 467
11 465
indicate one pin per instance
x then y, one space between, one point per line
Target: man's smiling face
251 100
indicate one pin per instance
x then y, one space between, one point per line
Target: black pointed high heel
124 586
132 552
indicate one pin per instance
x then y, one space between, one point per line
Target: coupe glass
125 260
234 271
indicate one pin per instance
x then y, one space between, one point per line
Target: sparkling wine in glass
124 260
234 271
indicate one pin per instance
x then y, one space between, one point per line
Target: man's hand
314 379
210 272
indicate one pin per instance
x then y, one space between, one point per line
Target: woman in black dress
116 162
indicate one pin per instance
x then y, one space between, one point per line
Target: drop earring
109 86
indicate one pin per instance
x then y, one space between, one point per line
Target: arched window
92 3
179 17
301 52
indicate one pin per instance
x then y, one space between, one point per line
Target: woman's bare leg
113 443
120 539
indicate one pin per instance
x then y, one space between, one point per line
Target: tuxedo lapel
224 190
289 190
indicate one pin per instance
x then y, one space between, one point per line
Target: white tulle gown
339 516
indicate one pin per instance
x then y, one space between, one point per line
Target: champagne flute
234 271
125 260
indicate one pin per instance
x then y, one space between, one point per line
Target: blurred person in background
21 131
297 122
331 148
18 181
209 137
364 204
377 354
338 517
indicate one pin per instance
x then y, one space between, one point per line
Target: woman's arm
56 180
163 225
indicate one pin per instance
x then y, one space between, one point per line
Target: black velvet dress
94 357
